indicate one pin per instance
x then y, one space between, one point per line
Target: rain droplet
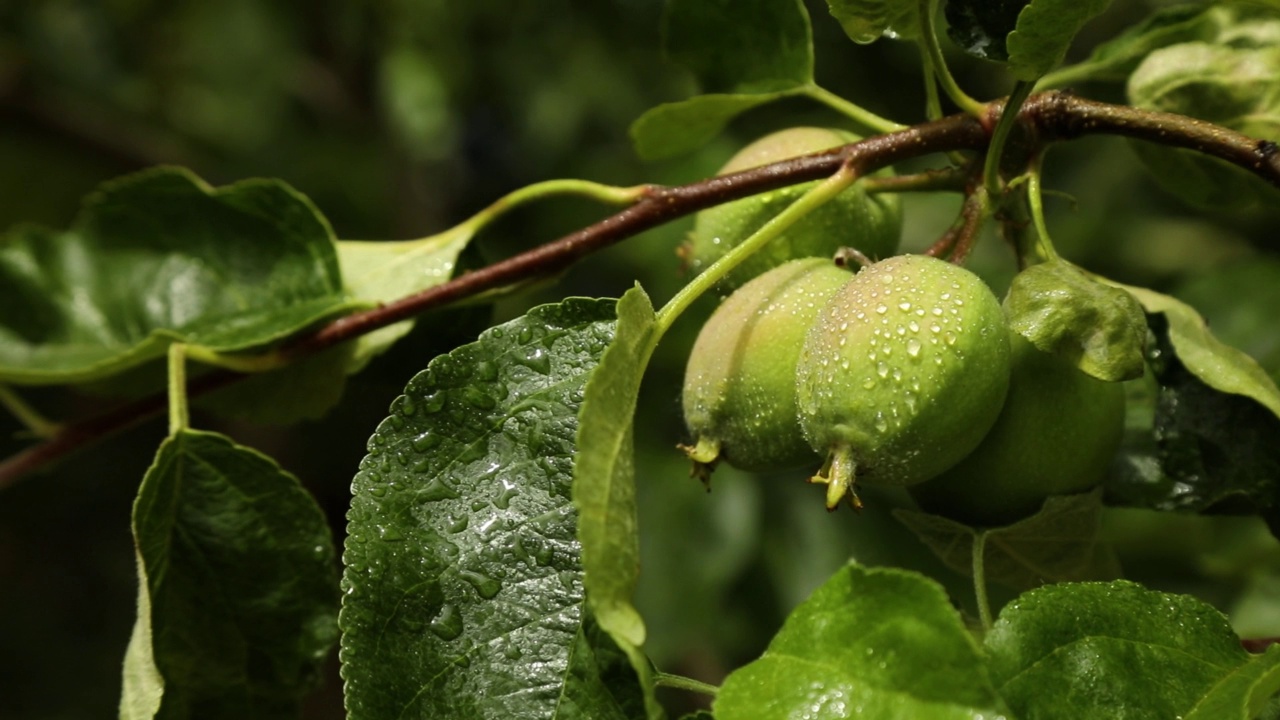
904 306
882 309
389 533
448 624
486 586
425 441
915 326
913 347
950 338
882 370
881 423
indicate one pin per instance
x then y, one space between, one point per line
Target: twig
1048 117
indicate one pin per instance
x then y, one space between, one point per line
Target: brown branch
1049 117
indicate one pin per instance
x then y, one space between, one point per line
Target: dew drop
915 326
448 624
479 399
882 370
913 347
433 402
459 523
904 306
869 384
509 490
882 309
437 490
389 533
425 441
484 585
881 423
950 338
525 336
407 406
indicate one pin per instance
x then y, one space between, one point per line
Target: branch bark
1046 118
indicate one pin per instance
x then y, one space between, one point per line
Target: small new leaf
1085 649
1063 311
214 520
1059 543
873 642
866 21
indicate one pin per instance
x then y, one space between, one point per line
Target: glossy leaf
1243 693
159 257
381 272
1062 311
1087 649
463 583
741 46
866 21
677 128
239 591
980 27
1058 543
604 479
1044 31
1237 301
882 643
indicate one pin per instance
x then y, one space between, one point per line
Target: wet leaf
866 21
604 481
980 27
1115 59
463 583
1086 649
1061 310
882 643
1058 543
238 590
159 257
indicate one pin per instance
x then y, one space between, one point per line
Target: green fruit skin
905 370
872 224
739 388
1056 435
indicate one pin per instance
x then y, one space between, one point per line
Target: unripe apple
871 224
1056 435
903 373
739 387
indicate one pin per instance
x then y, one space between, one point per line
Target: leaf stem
1035 197
680 682
179 414
857 113
37 425
980 578
1008 118
929 38
804 205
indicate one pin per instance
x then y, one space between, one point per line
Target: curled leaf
1062 310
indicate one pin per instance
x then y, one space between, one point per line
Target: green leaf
1058 543
1237 301
1044 31
865 21
159 257
303 390
980 27
381 272
604 479
1089 649
1115 59
881 643
1231 86
699 715
463 583
1218 365
1062 311
741 46
1244 693
238 586
677 128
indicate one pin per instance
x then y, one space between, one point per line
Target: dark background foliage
400 119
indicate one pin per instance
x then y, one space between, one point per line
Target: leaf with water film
463 583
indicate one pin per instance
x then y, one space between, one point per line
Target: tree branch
1048 117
